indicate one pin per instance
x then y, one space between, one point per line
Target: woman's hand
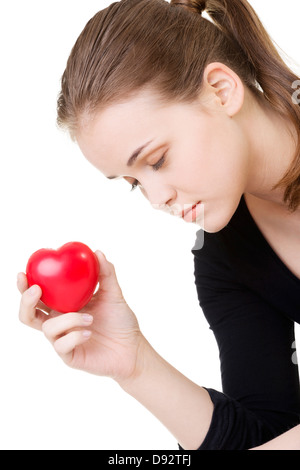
103 338
290 440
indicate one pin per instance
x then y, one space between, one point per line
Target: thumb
108 281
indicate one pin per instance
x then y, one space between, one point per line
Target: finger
107 277
65 345
22 285
55 327
22 282
28 314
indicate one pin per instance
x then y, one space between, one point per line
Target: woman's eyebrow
133 157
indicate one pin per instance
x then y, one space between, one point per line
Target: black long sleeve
251 301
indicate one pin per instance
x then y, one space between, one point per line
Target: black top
251 301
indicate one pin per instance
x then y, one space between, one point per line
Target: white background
51 195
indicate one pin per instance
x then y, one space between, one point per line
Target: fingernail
33 290
86 318
86 333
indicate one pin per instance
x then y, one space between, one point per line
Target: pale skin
214 150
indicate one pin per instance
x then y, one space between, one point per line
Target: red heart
67 276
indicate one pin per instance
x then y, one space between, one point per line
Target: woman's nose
162 199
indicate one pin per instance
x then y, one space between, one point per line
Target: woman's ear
224 87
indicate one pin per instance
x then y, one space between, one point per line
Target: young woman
203 116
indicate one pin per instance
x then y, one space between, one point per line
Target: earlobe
226 86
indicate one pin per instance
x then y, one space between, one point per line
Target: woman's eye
159 164
155 167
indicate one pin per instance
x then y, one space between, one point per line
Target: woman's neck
272 149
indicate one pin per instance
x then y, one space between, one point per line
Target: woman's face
187 153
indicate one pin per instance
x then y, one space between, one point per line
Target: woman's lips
191 214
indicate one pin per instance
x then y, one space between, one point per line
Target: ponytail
237 20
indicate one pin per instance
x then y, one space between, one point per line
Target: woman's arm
105 339
183 407
290 440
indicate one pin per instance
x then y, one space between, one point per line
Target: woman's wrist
144 357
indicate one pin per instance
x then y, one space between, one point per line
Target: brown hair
134 43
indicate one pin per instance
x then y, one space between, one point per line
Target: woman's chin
215 219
